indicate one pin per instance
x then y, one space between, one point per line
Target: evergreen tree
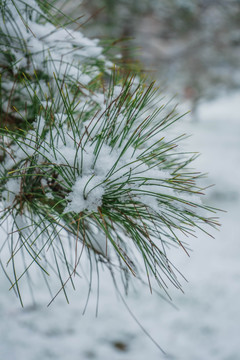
88 164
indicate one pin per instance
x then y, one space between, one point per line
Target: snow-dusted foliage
86 153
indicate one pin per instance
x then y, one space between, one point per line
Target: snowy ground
206 325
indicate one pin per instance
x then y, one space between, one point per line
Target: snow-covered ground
206 323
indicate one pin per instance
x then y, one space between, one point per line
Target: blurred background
192 50
191 47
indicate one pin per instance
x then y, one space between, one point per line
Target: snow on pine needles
87 159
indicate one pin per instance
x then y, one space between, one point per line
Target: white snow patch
12 189
87 193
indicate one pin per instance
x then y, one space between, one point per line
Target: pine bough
87 165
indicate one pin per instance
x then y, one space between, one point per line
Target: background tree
192 46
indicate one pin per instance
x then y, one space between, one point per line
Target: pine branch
90 159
